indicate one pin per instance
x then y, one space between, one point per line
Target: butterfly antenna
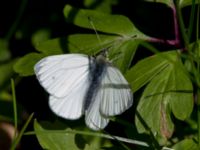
103 51
98 37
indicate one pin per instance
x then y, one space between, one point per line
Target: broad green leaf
169 91
54 140
6 72
141 73
4 51
82 43
186 144
113 24
24 66
53 136
123 53
52 47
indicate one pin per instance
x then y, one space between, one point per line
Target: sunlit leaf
113 24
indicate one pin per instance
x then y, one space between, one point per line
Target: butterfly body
97 69
79 85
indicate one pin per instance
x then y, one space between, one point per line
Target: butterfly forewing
60 74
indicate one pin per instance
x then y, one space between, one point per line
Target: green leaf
54 140
126 51
24 66
58 136
142 72
82 43
169 90
113 24
186 144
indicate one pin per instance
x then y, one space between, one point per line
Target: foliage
165 83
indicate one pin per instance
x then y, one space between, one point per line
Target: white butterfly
79 84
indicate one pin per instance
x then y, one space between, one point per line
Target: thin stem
176 27
98 37
198 114
181 24
16 141
111 137
198 79
122 139
191 22
16 22
14 106
197 26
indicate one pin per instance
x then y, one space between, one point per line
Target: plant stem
14 106
198 78
176 29
16 141
197 26
181 25
198 114
191 22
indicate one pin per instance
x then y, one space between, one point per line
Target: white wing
70 106
115 93
93 118
61 74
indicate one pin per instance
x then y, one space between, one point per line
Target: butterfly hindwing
93 118
117 95
70 106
